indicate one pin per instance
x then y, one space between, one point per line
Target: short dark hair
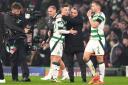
53 7
98 3
65 5
75 8
16 5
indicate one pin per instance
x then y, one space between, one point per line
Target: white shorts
58 50
94 46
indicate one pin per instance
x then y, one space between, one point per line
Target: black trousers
1 71
19 58
69 62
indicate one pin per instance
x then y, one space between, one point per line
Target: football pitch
36 81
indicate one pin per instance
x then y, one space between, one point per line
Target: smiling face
74 13
65 11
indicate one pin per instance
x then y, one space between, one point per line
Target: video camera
32 16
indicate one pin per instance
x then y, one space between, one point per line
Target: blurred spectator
116 53
117 30
125 44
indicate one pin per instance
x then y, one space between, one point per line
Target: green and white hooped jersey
98 33
59 24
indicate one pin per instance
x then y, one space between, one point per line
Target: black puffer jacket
15 24
74 43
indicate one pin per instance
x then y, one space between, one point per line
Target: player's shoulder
102 14
59 17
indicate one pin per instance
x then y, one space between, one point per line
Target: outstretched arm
71 31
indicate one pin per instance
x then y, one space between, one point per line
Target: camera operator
14 22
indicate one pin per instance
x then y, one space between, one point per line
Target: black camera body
32 17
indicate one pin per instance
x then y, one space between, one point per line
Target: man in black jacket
74 45
14 22
2 80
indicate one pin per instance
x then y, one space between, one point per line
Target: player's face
65 11
51 12
74 13
93 7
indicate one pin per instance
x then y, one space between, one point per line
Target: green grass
37 81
